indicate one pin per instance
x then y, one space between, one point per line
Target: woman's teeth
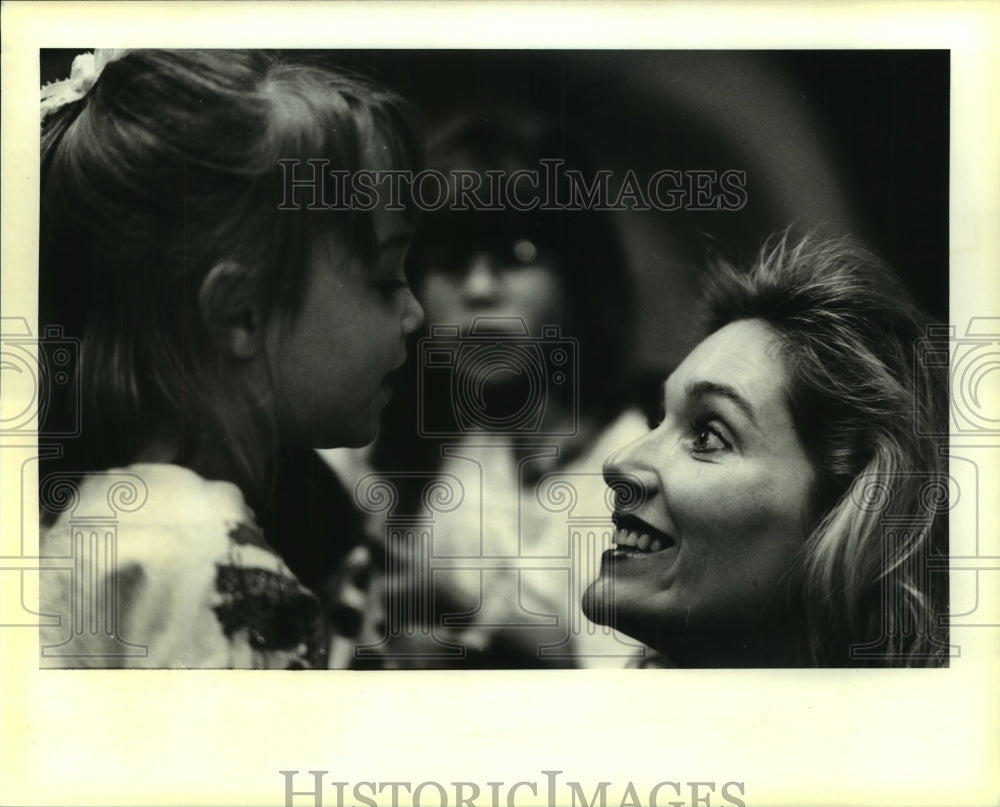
637 540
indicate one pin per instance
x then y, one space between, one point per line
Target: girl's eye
451 263
708 438
388 288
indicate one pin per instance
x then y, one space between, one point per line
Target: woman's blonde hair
866 412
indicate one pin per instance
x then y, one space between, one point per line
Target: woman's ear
230 312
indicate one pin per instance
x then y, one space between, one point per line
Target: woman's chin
632 616
598 605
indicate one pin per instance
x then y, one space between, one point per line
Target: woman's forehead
743 356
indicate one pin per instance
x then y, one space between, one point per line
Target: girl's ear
229 311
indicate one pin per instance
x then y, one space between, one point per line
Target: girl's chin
382 396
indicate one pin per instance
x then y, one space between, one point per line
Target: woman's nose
629 475
481 282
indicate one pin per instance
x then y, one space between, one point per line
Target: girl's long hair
168 166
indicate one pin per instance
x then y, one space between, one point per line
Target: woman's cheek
724 511
702 496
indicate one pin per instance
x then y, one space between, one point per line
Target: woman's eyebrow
703 389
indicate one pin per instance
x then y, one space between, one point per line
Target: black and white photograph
618 332
497 394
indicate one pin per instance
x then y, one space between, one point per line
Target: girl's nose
413 314
481 283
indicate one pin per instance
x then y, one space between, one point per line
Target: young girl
222 312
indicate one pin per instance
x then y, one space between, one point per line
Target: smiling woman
747 537
729 483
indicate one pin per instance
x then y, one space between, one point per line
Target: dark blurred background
852 141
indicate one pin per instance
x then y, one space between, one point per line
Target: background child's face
489 284
330 365
481 264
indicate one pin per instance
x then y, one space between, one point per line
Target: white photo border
816 737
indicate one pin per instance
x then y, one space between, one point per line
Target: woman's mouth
633 536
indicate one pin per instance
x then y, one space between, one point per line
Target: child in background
498 281
215 328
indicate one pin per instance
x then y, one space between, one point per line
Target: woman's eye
654 420
708 438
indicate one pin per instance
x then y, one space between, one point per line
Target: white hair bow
86 68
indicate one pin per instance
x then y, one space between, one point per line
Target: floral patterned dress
153 566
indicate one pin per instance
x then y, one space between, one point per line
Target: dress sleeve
171 600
